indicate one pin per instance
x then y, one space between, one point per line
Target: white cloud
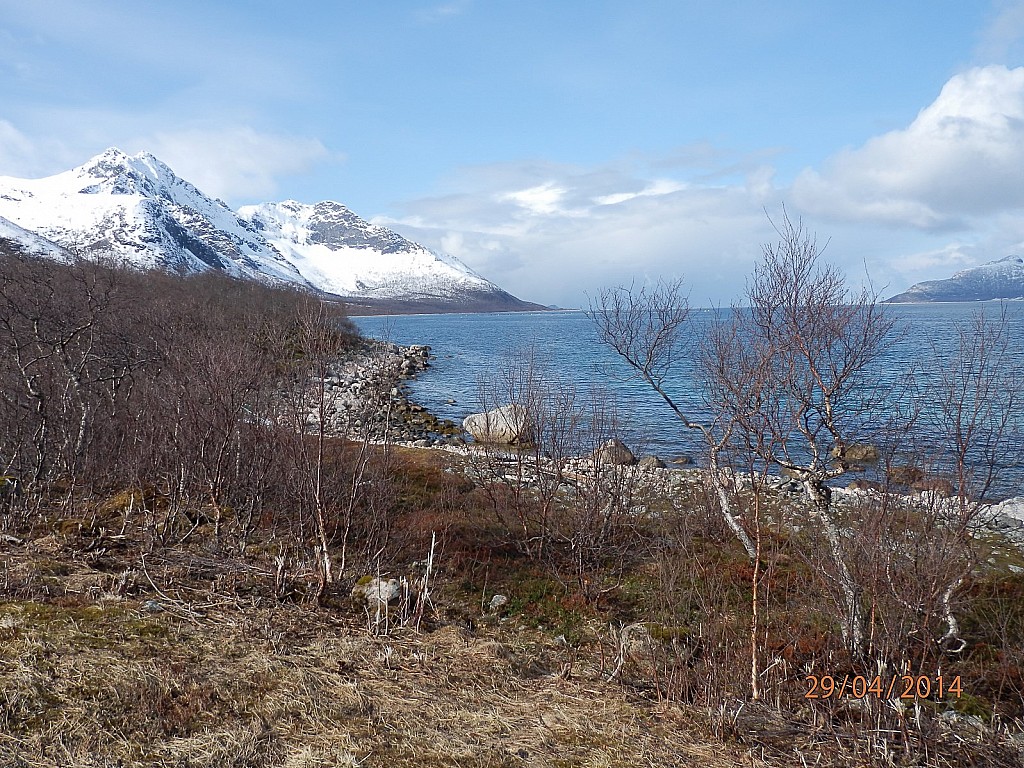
22 156
961 157
542 200
234 162
230 162
946 260
16 151
554 234
654 189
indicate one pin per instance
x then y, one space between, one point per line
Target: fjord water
471 351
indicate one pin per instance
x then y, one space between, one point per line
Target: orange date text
897 687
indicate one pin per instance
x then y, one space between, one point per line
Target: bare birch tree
784 379
813 340
647 328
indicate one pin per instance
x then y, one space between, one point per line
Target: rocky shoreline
368 397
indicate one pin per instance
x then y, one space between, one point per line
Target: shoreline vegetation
230 538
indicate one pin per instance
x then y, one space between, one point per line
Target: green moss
91 626
972 706
52 568
545 604
668 634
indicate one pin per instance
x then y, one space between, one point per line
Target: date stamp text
897 687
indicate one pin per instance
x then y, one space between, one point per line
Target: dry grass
116 652
107 683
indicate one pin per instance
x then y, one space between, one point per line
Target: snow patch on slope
30 242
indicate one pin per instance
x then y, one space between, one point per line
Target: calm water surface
472 349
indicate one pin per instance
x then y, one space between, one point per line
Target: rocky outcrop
651 462
905 475
863 453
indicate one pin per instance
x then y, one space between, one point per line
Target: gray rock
905 475
862 452
940 486
374 590
614 451
497 603
651 462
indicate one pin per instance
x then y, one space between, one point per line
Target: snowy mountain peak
341 253
114 172
135 208
326 223
1008 266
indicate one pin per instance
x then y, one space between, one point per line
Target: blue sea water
472 350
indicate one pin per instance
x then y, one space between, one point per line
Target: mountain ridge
999 279
136 209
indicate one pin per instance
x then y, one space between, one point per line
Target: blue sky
558 147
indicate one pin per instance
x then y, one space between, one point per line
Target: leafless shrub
563 505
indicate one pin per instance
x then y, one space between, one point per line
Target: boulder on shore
651 462
939 486
905 475
614 451
862 452
507 425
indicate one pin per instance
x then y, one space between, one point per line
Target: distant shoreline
463 312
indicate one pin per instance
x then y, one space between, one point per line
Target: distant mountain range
138 210
1002 279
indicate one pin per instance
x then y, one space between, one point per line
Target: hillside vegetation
196 574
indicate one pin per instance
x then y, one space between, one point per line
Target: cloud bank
960 158
942 193
554 233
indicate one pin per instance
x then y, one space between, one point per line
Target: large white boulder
507 425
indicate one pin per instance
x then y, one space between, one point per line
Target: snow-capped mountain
137 209
1002 279
338 252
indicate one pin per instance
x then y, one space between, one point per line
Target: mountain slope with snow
1002 279
29 242
340 253
136 209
